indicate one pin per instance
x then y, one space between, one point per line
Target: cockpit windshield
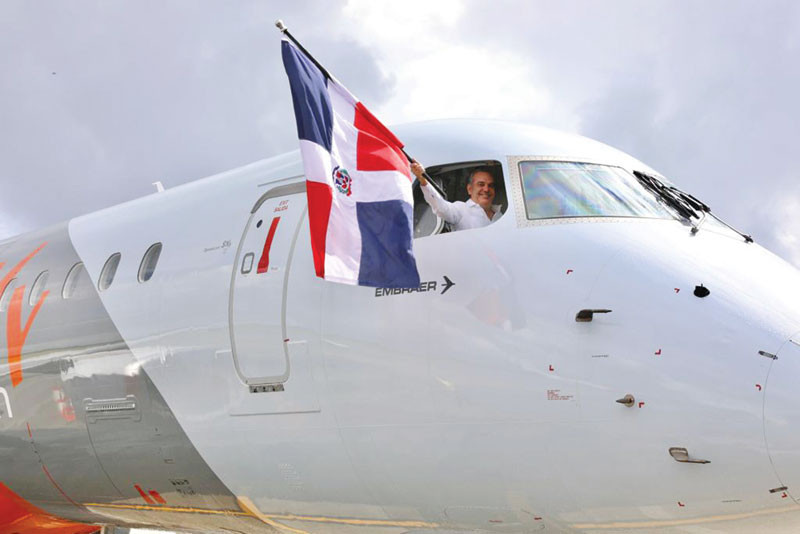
556 189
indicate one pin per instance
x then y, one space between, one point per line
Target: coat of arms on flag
358 182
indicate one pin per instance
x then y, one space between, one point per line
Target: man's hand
419 172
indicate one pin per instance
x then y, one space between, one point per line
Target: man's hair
483 168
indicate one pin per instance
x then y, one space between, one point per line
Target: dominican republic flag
360 203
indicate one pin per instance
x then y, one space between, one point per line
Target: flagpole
285 31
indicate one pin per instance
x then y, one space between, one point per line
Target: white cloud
439 71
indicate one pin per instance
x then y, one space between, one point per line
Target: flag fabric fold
360 202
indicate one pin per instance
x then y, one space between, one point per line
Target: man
476 212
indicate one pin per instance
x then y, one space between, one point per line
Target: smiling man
476 212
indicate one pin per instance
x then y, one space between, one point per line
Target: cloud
439 71
143 91
101 99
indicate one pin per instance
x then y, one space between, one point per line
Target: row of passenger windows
73 286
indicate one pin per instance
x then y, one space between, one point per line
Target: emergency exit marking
784 495
658 352
641 403
681 504
283 205
677 290
263 263
551 369
758 387
569 271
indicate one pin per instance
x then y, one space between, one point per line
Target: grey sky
99 99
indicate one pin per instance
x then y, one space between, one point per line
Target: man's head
481 187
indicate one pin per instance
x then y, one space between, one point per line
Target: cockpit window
451 182
556 189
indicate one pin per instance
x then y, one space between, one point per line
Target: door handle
682 455
585 316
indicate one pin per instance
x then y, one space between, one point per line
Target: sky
99 99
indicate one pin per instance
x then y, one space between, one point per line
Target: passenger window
77 283
149 262
5 298
38 287
453 181
108 272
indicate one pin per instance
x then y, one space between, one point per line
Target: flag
358 182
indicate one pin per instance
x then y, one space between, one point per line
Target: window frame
8 291
435 171
516 190
153 251
102 285
37 288
72 274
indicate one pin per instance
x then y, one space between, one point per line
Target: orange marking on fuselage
18 515
17 268
157 496
145 496
15 335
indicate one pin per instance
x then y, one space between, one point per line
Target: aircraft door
257 287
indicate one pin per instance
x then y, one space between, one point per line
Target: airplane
608 356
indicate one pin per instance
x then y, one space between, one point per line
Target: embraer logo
16 334
424 287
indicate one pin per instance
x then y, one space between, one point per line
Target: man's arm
444 209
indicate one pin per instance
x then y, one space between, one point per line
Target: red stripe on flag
320 197
263 263
377 148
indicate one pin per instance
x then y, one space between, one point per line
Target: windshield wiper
686 205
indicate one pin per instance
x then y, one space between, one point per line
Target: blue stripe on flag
387 259
312 105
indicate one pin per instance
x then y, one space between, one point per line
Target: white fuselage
481 406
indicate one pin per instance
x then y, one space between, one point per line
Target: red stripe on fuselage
145 496
18 515
263 263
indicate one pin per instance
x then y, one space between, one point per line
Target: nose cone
782 415
701 363
711 288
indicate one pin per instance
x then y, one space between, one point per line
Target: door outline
280 191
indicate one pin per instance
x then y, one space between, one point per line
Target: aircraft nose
711 289
696 321
782 415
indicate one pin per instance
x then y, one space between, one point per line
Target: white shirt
462 215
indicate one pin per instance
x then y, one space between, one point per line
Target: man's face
481 190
